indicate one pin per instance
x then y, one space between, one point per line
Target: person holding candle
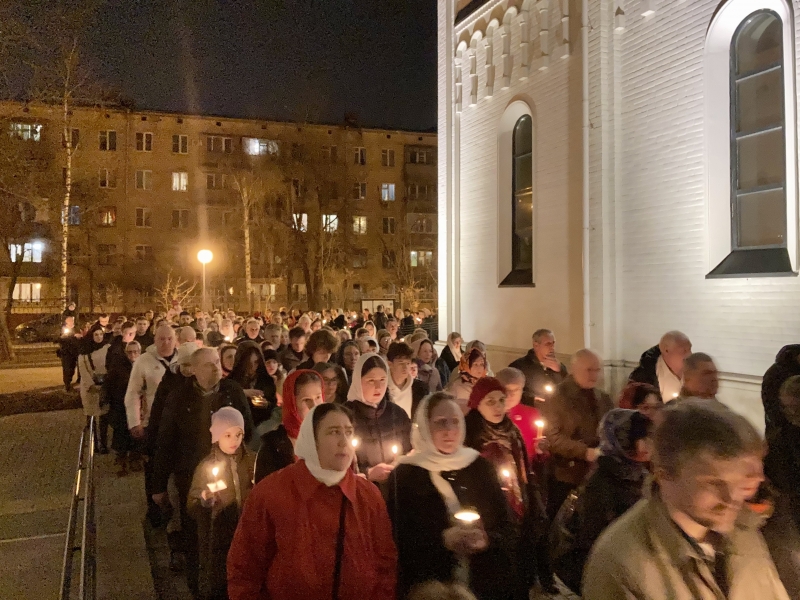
473 366
276 371
92 372
528 420
543 371
379 423
429 487
250 372
315 529
221 484
302 391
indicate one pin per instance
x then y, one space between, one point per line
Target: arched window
522 207
758 145
751 149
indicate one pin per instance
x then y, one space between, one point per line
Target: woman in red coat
314 529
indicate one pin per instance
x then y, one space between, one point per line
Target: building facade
150 189
615 169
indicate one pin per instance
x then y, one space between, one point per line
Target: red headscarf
482 388
292 420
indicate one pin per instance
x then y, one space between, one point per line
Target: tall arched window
522 203
758 162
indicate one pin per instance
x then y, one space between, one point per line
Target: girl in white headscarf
317 508
433 483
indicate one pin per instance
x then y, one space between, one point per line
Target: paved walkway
38 458
29 378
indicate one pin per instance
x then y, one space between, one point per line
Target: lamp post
204 256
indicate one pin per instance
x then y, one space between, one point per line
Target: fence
82 493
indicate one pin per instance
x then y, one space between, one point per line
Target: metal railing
82 493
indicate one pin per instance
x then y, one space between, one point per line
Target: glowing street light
204 256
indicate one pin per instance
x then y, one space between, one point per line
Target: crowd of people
333 455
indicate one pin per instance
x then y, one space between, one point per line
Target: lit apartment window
360 190
259 147
26 131
27 292
144 253
421 258
143 217
30 252
180 219
301 221
387 192
215 143
330 223
144 142
144 180
108 178
359 156
180 181
388 225
360 225
108 141
387 158
180 144
107 216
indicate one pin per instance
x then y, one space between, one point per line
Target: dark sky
296 59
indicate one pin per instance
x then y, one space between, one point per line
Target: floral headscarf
619 431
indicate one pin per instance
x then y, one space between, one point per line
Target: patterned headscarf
619 431
468 358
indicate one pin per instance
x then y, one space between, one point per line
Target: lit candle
355 442
395 450
467 516
539 428
219 484
675 395
548 388
227 338
506 473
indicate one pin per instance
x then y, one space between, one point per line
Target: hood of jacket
650 357
788 354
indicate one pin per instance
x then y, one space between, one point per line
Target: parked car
43 329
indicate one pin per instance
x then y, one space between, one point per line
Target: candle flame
394 449
355 442
548 388
675 395
467 516
506 473
215 471
539 423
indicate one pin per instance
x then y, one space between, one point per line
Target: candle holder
466 517
219 484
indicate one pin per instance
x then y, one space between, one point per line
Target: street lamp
204 256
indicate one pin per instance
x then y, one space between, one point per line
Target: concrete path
38 458
29 378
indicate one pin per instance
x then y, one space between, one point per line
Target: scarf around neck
306 448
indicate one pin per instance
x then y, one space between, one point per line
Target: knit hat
482 388
271 355
185 351
222 420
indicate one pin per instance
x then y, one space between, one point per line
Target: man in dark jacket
379 318
404 390
662 366
184 437
251 331
787 364
294 353
543 372
572 417
69 345
143 334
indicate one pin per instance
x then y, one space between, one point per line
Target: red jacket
525 417
285 545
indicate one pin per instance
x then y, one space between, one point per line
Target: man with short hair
143 334
339 320
404 390
392 326
379 318
700 377
542 370
572 416
185 334
294 353
694 537
251 331
184 319
662 366
304 322
184 438
272 334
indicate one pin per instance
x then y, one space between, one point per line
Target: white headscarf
426 455
450 344
306 448
356 392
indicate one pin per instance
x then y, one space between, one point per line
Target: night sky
309 60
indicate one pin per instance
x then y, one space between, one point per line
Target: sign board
372 305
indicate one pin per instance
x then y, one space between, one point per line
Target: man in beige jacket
694 538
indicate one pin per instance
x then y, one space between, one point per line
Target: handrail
82 492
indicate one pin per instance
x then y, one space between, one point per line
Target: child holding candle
220 485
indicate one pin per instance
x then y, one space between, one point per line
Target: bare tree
175 290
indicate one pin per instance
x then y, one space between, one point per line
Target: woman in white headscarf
335 536
451 354
433 483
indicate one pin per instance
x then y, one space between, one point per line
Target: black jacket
170 381
275 453
537 377
786 365
378 429
184 436
214 339
419 389
379 319
419 516
339 322
145 340
645 372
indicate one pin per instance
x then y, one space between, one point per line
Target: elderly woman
451 354
429 487
471 368
428 373
302 391
315 529
92 370
383 428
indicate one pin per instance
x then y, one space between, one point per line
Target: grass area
41 400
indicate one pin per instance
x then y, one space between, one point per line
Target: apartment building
151 189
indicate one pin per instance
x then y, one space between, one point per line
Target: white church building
614 169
